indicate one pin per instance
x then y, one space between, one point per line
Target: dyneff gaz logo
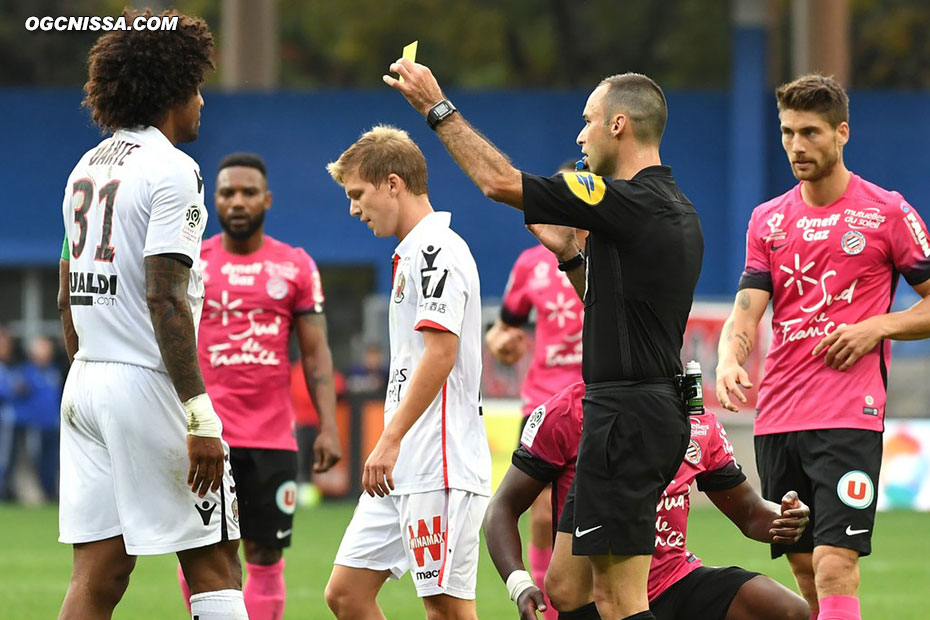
92 289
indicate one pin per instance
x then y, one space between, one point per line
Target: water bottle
693 389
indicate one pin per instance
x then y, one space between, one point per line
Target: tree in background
492 43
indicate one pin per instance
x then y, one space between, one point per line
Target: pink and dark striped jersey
251 302
536 283
549 447
825 267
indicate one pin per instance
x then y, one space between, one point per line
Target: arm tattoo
743 347
475 154
317 363
744 344
166 282
743 300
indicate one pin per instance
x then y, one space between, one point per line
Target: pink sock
813 615
185 589
539 564
839 607
264 591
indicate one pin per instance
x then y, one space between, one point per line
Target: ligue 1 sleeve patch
532 426
587 187
855 489
192 228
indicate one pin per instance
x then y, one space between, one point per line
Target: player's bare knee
257 553
341 599
108 586
445 607
562 593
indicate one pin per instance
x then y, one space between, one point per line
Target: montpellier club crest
276 288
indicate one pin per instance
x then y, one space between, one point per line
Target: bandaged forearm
202 420
517 583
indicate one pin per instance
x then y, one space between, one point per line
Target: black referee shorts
634 438
703 594
835 472
267 493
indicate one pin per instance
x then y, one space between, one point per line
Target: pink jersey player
536 283
549 446
251 301
826 267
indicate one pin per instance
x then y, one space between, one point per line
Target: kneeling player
679 586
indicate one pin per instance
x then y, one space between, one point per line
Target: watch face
442 108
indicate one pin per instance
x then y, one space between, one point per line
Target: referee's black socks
589 612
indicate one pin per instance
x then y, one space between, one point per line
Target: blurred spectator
307 427
370 377
7 416
38 410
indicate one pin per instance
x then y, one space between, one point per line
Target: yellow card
410 53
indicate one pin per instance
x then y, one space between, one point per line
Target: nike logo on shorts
579 532
281 535
852 532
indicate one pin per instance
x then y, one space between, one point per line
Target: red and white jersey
132 196
826 267
435 285
536 283
251 303
549 448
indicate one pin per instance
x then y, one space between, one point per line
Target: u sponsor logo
855 489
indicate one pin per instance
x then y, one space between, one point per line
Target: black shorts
634 438
267 492
835 472
703 594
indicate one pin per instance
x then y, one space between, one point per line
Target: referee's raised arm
490 169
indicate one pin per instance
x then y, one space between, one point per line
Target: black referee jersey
644 257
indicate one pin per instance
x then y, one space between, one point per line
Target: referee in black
637 278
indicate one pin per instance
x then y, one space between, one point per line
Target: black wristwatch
439 113
576 261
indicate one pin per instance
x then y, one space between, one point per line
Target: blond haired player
427 481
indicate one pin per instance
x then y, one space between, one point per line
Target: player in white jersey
427 481
144 470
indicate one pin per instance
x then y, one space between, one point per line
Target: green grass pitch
34 568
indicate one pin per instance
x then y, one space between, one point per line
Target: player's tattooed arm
317 362
64 309
166 281
736 344
490 169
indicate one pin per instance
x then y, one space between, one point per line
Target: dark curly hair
136 76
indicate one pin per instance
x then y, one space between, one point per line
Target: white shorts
434 534
124 465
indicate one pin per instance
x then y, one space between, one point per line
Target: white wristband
202 420
517 583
